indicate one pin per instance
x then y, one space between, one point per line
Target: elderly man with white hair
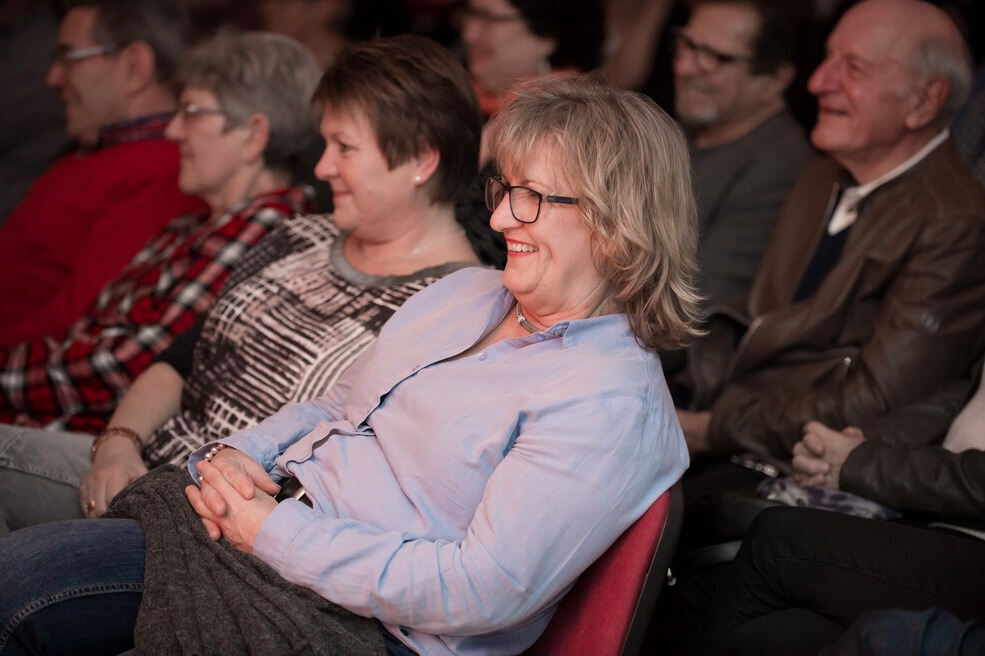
865 330
872 290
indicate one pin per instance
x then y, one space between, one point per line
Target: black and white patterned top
283 333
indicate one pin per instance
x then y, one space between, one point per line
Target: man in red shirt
87 215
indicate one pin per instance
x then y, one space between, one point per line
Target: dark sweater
205 597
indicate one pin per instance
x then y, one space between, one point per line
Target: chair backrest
608 610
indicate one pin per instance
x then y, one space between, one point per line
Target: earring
417 179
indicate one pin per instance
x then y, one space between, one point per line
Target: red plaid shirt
75 379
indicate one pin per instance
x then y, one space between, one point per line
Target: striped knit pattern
285 334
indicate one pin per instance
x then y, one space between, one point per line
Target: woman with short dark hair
401 125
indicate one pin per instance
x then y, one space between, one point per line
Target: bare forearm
153 398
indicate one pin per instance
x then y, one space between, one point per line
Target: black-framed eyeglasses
524 202
65 55
188 110
706 58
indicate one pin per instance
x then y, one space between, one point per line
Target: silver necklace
522 320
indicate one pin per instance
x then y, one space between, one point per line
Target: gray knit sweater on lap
205 597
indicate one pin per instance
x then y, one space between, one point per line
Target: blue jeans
71 587
74 587
933 632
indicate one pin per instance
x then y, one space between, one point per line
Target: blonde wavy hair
628 163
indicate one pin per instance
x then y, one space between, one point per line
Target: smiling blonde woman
502 432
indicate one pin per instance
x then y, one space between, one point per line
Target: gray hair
259 73
938 56
162 24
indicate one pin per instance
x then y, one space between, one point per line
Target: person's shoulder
772 152
606 352
309 230
264 211
456 293
303 238
773 156
121 161
133 158
442 310
817 176
289 202
946 183
786 139
938 197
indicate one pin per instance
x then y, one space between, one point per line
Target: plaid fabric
74 380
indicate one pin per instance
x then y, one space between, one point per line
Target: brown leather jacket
902 463
901 312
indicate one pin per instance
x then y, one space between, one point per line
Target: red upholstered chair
608 610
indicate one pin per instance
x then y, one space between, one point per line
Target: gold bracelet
111 431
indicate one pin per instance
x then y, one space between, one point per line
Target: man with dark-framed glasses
871 293
733 62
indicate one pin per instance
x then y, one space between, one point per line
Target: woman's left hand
241 521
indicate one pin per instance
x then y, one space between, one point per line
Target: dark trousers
719 505
802 576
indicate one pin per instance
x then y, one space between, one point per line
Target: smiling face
549 266
92 88
369 196
865 92
212 157
500 47
728 91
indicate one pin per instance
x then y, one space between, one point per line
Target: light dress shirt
846 211
457 500
967 431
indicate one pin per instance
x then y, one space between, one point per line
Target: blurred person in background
506 42
402 126
32 134
92 210
243 117
826 334
734 60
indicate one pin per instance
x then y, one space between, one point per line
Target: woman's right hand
240 476
116 465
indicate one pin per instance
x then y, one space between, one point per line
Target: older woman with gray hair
242 116
402 126
244 111
502 432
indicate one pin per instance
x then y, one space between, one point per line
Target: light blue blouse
458 500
